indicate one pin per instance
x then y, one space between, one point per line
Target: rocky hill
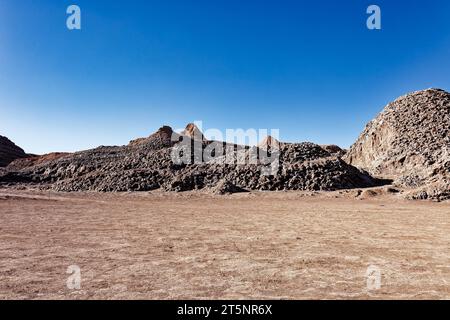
409 142
148 164
9 152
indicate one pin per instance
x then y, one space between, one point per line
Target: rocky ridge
148 164
408 143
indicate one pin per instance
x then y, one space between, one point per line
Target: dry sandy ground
198 246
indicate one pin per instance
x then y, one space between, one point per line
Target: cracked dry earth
286 245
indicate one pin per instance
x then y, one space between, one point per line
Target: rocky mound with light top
409 142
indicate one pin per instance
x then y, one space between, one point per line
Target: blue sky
309 68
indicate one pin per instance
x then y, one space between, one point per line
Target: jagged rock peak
270 142
193 132
163 137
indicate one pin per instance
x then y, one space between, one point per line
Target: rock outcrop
225 187
148 164
162 138
9 152
269 142
409 142
334 150
193 132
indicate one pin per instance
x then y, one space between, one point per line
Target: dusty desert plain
257 245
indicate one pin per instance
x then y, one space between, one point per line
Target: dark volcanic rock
147 164
9 152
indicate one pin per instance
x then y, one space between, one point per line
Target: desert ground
277 245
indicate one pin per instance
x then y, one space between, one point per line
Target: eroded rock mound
34 160
225 187
9 152
193 132
409 142
162 138
334 150
270 142
148 164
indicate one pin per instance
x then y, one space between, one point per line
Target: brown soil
286 245
36 160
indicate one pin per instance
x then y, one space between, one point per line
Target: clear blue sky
310 68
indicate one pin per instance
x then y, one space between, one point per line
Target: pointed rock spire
269 142
193 132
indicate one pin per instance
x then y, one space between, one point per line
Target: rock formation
160 139
269 142
226 187
409 142
193 132
334 150
9 152
148 164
